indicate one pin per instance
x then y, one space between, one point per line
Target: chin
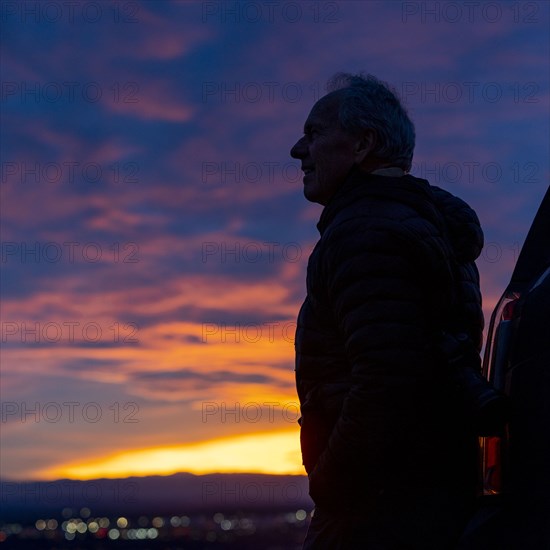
312 196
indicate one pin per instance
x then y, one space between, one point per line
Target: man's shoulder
411 210
401 206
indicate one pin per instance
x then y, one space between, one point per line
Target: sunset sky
154 231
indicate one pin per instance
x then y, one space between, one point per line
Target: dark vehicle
514 510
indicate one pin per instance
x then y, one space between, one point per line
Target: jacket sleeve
383 282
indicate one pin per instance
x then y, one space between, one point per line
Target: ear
364 145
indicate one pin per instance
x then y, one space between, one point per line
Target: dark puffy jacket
376 401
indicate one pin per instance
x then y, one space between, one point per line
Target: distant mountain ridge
179 494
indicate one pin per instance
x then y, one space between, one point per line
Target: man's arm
382 283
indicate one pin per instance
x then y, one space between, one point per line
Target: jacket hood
463 225
444 209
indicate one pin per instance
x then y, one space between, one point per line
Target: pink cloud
161 37
150 100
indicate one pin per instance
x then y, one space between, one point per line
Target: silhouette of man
390 462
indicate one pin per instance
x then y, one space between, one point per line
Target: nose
298 150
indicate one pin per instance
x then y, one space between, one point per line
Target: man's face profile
327 152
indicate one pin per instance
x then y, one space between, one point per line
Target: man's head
360 122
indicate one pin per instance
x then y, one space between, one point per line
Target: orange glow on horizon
262 453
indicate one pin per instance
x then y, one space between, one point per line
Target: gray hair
368 102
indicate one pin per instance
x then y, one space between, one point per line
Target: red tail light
492 465
495 450
508 311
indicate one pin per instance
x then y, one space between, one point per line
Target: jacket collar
407 189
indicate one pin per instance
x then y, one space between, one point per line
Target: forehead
325 111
